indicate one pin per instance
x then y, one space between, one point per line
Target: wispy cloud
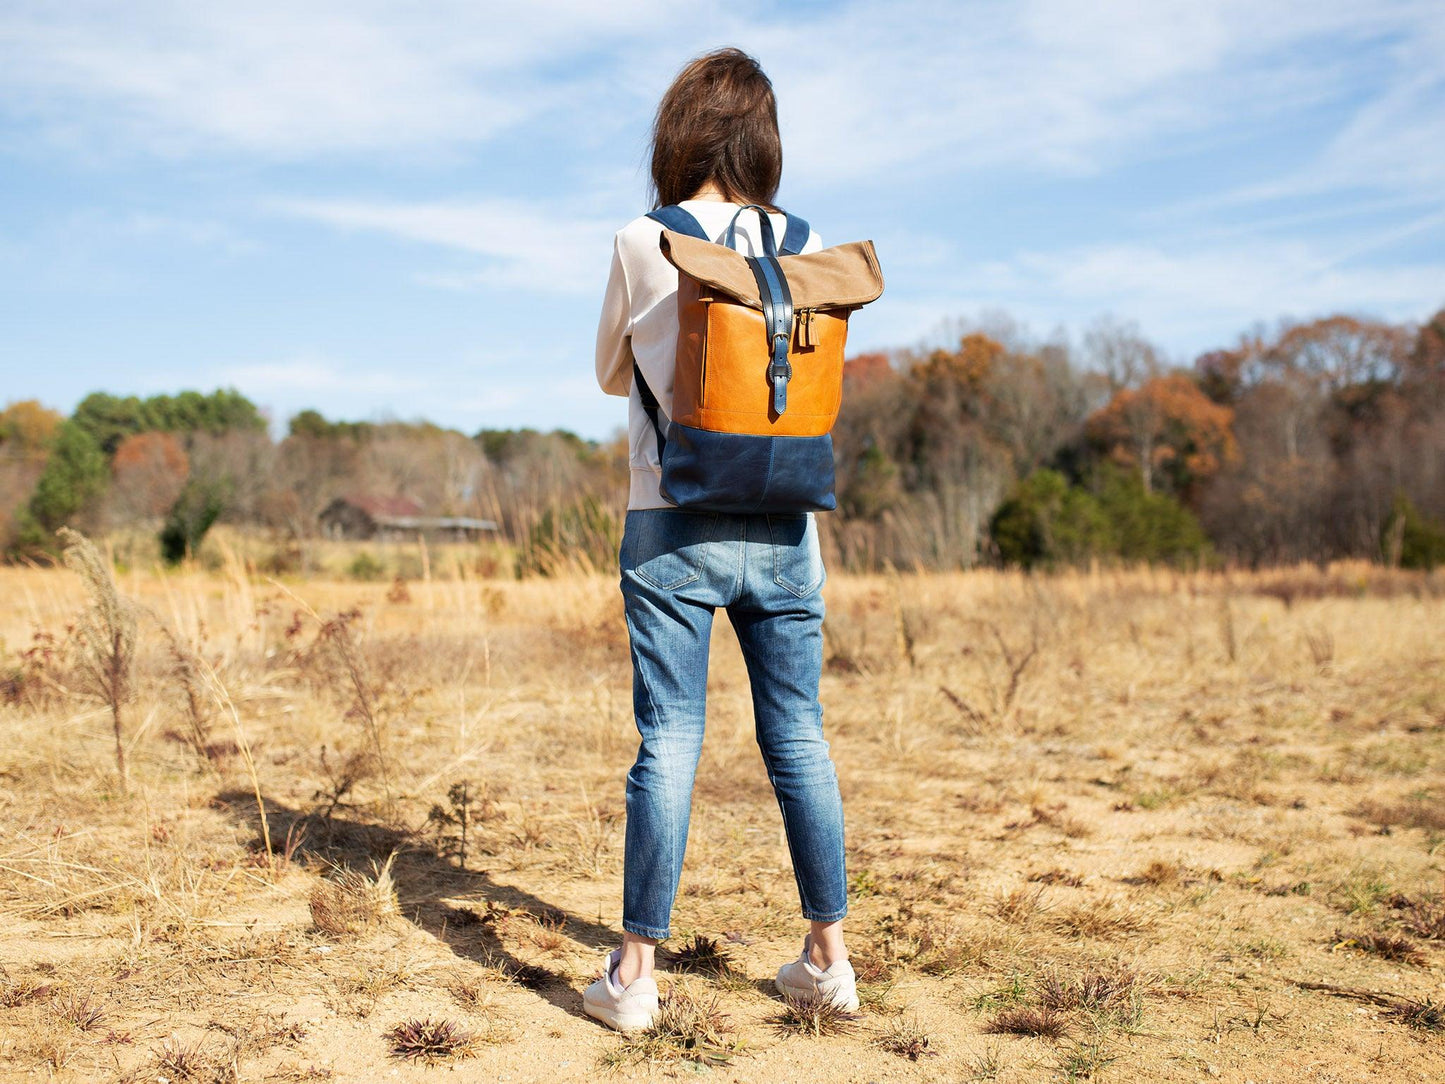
525 246
297 81
1187 294
1196 166
1057 86
203 233
310 374
1049 84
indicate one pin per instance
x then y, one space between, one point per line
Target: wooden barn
388 519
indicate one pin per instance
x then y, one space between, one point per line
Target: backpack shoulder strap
650 406
679 221
676 219
795 237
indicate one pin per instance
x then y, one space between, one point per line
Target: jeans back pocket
797 556
667 548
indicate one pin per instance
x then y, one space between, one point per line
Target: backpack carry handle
675 218
770 245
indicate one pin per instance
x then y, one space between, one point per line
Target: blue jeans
767 572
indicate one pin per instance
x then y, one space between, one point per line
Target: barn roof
375 505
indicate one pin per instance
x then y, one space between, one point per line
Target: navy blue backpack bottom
739 473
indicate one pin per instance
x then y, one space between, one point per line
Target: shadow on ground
437 896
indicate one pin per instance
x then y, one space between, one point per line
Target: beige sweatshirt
639 320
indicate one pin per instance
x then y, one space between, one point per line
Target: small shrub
350 902
1424 918
430 1041
1104 918
688 1028
1094 991
1160 873
79 1011
815 1016
1041 1023
456 822
197 508
17 992
1385 946
178 1061
1421 810
365 567
1409 540
700 955
1018 906
907 1039
1424 1015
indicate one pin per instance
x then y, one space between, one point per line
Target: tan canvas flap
830 278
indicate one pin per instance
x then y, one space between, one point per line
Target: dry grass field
1133 825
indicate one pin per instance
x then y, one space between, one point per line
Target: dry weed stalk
1016 661
186 669
903 633
1226 630
977 722
107 634
175 1060
337 633
223 698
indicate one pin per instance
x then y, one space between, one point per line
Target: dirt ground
1117 826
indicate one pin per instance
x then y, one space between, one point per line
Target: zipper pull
805 329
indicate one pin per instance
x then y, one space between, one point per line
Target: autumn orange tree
1168 430
148 471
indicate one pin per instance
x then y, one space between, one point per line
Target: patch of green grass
1361 891
985 1067
1267 948
1158 798
1081 1061
1012 991
864 883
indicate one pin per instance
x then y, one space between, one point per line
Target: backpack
759 372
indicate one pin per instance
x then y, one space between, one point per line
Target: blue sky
386 209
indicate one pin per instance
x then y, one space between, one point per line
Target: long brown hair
718 122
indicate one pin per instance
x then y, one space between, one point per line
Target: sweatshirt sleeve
614 330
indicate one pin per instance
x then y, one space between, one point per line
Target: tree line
1313 441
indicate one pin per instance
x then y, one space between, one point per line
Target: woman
715 148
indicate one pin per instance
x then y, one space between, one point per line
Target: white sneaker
629 1008
803 980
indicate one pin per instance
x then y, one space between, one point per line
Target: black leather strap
777 301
